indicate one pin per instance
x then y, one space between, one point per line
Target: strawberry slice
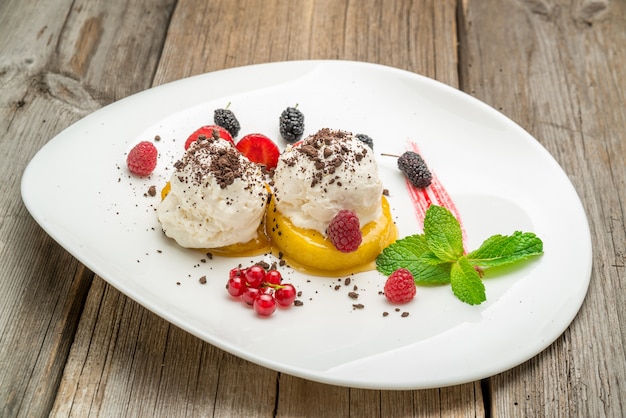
259 149
207 131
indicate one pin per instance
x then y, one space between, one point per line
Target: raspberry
142 158
400 286
291 123
415 169
344 231
367 140
227 120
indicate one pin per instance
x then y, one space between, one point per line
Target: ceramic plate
499 178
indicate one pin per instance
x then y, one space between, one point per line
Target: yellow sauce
311 252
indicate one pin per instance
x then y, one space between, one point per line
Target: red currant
285 294
265 304
236 286
260 289
235 272
255 276
250 294
273 277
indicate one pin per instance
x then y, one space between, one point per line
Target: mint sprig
437 256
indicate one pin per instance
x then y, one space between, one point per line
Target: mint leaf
466 283
430 258
428 274
401 254
437 255
442 233
413 254
499 250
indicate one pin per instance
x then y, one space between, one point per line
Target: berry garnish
344 231
208 132
291 124
285 295
259 149
235 272
400 286
261 289
250 294
142 159
273 277
227 120
367 140
264 304
255 276
415 169
236 285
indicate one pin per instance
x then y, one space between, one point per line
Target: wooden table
72 345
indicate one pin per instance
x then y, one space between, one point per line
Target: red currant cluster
260 289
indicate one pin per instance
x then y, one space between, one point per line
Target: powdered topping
327 172
212 158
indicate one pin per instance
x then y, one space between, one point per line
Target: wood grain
71 345
54 70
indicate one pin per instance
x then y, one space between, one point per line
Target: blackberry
291 123
366 140
227 120
415 169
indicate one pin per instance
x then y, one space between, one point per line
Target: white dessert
327 172
217 197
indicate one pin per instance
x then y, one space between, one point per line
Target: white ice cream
327 172
217 197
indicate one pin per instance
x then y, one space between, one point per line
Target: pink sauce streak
433 194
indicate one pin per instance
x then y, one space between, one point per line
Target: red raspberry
142 158
344 231
400 286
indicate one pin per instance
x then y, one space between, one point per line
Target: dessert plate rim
111 226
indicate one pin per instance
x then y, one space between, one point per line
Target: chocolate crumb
404 314
353 295
358 306
385 192
337 287
347 281
157 138
210 256
202 280
152 190
385 313
264 265
298 302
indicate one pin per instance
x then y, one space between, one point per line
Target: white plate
500 178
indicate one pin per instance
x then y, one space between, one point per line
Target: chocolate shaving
208 159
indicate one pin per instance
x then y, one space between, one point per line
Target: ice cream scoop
217 197
325 173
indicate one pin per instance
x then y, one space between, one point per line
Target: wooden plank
42 286
312 30
559 75
52 73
